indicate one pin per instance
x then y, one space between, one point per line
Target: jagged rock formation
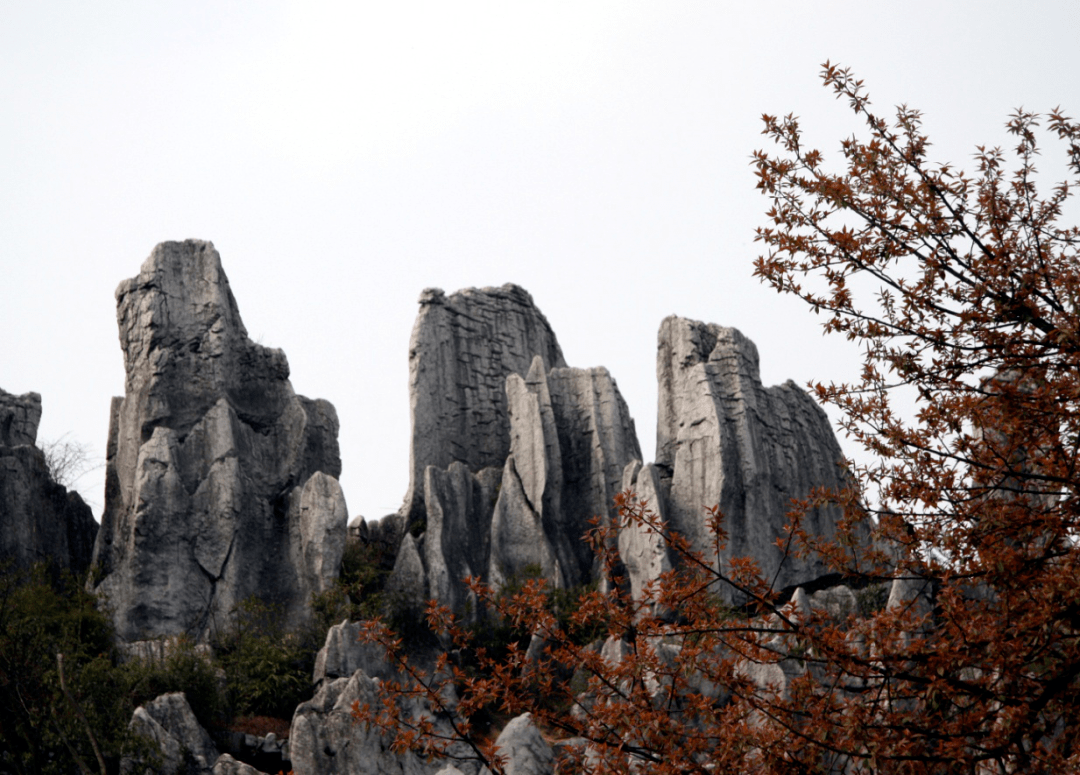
512 452
227 765
457 541
526 751
170 726
644 553
462 349
343 654
722 438
220 482
571 436
39 519
326 740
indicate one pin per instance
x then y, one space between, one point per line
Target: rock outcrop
457 539
343 654
227 765
170 726
462 349
643 551
571 437
722 438
512 451
523 748
220 482
325 738
39 519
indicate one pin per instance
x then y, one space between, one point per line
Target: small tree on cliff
963 293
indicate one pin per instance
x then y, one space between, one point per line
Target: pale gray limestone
643 550
571 437
170 725
227 765
462 349
343 654
406 586
838 602
325 738
459 506
523 748
722 438
220 481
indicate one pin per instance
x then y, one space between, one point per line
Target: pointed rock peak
185 345
537 374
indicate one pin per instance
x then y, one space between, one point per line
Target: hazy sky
343 157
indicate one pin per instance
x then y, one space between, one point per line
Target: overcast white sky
342 157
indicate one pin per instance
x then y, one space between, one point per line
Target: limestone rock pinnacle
220 481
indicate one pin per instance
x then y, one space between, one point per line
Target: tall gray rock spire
220 482
723 438
462 349
512 451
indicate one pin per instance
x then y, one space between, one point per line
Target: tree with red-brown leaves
962 292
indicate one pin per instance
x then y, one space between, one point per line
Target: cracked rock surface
39 519
723 438
325 738
463 347
512 451
221 483
571 436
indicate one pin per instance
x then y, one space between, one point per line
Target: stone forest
222 497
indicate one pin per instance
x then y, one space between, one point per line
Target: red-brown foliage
261 726
962 293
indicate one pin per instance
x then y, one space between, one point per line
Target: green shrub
267 670
183 669
42 728
872 599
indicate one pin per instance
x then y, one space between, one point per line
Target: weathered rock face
462 349
326 740
19 419
39 519
343 654
227 765
512 452
524 748
643 552
457 541
723 438
169 724
221 482
571 437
